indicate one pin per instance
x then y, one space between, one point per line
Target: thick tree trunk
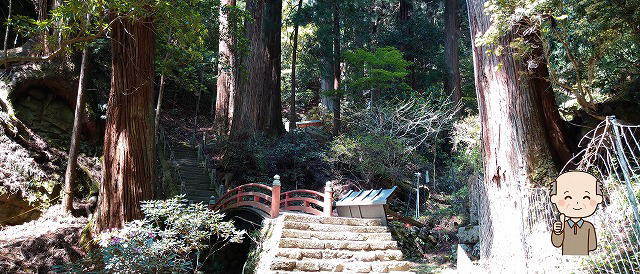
451 50
538 79
129 158
72 162
258 106
337 71
516 153
294 56
227 72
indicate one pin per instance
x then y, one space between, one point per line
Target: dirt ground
36 246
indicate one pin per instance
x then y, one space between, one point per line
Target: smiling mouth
577 208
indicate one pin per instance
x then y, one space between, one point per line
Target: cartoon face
576 194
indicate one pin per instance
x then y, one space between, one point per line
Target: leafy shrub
383 159
172 237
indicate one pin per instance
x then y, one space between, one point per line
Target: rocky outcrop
469 234
469 242
306 243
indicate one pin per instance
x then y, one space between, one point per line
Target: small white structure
365 204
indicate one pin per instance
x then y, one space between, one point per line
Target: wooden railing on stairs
271 201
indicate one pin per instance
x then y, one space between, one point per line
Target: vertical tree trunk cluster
451 50
227 70
129 157
257 101
516 153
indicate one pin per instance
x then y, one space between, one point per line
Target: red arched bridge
268 200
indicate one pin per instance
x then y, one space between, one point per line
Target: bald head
576 193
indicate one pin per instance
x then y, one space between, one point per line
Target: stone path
307 243
197 185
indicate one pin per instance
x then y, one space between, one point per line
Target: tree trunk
404 13
258 106
158 107
72 162
516 153
42 9
6 36
129 158
337 71
294 56
451 50
227 71
538 76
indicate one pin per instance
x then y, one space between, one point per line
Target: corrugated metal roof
366 197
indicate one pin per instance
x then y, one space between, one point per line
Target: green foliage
384 69
377 160
172 237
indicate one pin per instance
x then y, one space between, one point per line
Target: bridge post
328 199
275 197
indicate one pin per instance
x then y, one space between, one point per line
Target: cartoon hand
558 226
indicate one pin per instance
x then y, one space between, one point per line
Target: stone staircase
197 185
307 243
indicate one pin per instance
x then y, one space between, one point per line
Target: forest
239 136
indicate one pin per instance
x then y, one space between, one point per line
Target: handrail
235 198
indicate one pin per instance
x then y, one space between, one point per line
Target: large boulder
469 234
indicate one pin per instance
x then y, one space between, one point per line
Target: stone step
197 179
334 228
339 266
345 236
312 219
192 187
328 254
336 244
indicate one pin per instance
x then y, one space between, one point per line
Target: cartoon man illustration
576 195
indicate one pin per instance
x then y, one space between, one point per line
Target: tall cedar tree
129 143
257 107
451 49
337 71
516 153
226 86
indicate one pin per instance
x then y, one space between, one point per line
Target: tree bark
6 36
337 71
538 78
258 107
227 72
72 162
129 158
516 154
158 107
451 50
292 100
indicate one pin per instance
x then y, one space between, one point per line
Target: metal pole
417 194
625 170
426 179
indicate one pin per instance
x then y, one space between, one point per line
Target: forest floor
36 246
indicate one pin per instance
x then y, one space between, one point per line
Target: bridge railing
271 201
